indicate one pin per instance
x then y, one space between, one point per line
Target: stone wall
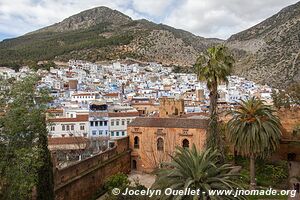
147 157
289 148
170 107
82 180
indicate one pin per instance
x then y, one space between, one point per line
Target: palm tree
192 169
214 67
254 131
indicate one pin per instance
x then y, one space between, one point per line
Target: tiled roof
169 122
83 94
123 114
79 118
67 140
55 111
142 104
111 95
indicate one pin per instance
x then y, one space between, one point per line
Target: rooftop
79 118
169 122
67 140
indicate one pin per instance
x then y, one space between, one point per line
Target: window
117 133
112 134
105 123
100 132
123 122
72 127
92 123
71 115
52 128
185 143
96 123
123 133
68 127
101 123
136 142
63 127
159 131
94 132
128 121
160 144
112 123
117 123
82 127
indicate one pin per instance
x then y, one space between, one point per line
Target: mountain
266 53
105 34
269 52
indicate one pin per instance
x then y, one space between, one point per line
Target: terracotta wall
83 179
289 120
170 107
147 157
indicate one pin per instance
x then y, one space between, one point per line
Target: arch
160 144
134 165
291 156
176 111
185 143
136 142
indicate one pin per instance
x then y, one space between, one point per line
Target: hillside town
148 100
140 111
100 100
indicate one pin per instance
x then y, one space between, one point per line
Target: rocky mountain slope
266 53
105 34
270 51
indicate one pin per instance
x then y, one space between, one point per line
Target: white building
84 97
98 121
118 122
61 127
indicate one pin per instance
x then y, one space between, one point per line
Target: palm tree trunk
252 172
213 99
214 139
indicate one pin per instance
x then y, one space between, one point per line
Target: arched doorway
185 143
160 144
291 156
136 142
134 165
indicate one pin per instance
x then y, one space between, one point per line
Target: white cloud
215 18
209 18
20 16
151 7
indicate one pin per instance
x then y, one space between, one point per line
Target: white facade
83 97
118 123
60 127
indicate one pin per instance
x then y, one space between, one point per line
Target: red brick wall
83 179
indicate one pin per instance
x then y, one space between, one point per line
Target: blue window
94 132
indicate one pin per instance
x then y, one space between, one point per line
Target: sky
207 18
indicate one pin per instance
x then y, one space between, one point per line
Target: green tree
214 67
254 131
23 140
192 169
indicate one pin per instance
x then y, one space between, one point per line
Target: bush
118 180
268 173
